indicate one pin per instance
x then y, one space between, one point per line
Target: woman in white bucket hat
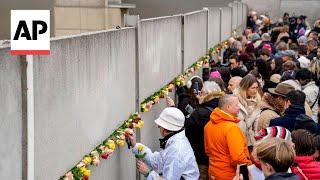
176 160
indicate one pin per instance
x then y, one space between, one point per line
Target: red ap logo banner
30 32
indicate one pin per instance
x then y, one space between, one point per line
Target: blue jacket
289 118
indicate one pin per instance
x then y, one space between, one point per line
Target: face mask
163 141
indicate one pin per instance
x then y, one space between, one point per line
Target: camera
292 20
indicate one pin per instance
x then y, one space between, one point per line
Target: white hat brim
166 125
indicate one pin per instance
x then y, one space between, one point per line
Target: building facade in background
79 16
69 17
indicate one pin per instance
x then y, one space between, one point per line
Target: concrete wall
12 117
195 36
214 25
239 16
310 8
276 8
234 13
270 7
226 20
244 14
88 86
83 91
159 51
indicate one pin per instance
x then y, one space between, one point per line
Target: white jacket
175 161
249 123
249 115
304 62
311 90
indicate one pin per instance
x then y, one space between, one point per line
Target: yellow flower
87 159
139 124
164 91
145 109
140 148
87 173
120 142
83 169
111 144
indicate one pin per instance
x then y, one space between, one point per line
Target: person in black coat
194 125
187 100
295 107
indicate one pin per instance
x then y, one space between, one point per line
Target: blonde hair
276 152
314 67
317 23
245 84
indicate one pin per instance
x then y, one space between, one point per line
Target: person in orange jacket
225 143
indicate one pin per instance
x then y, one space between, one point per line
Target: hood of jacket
210 96
305 122
294 110
310 84
218 116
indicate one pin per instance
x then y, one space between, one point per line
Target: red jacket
309 167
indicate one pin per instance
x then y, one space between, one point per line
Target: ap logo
30 32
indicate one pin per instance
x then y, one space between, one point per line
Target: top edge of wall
89 33
195 12
161 17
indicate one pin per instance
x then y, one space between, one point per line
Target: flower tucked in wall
104 150
117 138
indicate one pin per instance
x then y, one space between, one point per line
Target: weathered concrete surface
195 36
270 7
159 53
226 27
12 123
234 13
309 8
214 23
239 16
83 91
276 8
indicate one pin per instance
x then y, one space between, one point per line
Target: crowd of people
257 105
